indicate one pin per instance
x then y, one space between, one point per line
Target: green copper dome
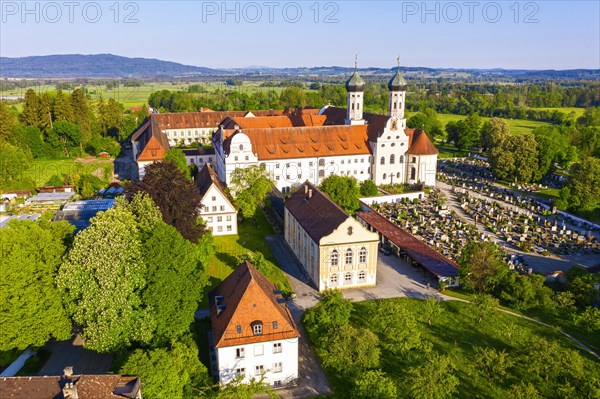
355 83
397 83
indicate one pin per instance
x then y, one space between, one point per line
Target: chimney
70 391
310 193
68 371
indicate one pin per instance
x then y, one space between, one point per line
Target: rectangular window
214 208
235 158
277 367
219 218
214 198
274 325
209 219
277 347
311 164
258 350
277 384
257 329
276 166
222 208
228 227
277 178
259 370
247 158
220 228
241 371
228 218
240 353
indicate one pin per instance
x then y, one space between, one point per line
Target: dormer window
239 329
257 327
275 325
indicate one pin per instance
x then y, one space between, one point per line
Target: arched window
352 106
398 175
401 158
382 162
334 258
348 278
348 256
384 176
413 173
362 276
392 159
362 255
333 280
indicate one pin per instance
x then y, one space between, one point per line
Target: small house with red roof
253 334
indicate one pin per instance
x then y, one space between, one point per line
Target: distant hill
96 65
113 66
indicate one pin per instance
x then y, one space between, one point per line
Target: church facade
313 144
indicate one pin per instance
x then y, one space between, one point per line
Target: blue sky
471 34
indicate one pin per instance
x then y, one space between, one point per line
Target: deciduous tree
350 350
343 190
481 266
368 189
493 132
175 195
374 384
30 304
435 379
102 278
250 187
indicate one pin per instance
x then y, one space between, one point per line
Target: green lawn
250 239
41 170
563 322
456 333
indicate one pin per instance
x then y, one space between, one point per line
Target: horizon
543 35
305 66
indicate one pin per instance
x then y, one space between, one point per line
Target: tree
397 327
524 391
343 190
177 157
481 266
8 121
589 319
526 292
464 133
64 135
544 358
44 112
494 364
82 114
350 350
582 283
493 133
516 158
250 187
485 305
175 195
332 312
62 110
368 189
30 114
427 121
292 98
175 280
30 304
173 372
584 185
29 138
553 148
13 161
435 379
433 308
102 278
374 384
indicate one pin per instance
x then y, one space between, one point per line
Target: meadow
533 354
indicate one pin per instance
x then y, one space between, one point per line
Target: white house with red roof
253 334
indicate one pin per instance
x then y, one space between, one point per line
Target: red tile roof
421 145
208 177
318 215
242 299
109 386
303 142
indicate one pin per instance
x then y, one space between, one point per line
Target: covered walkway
405 244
